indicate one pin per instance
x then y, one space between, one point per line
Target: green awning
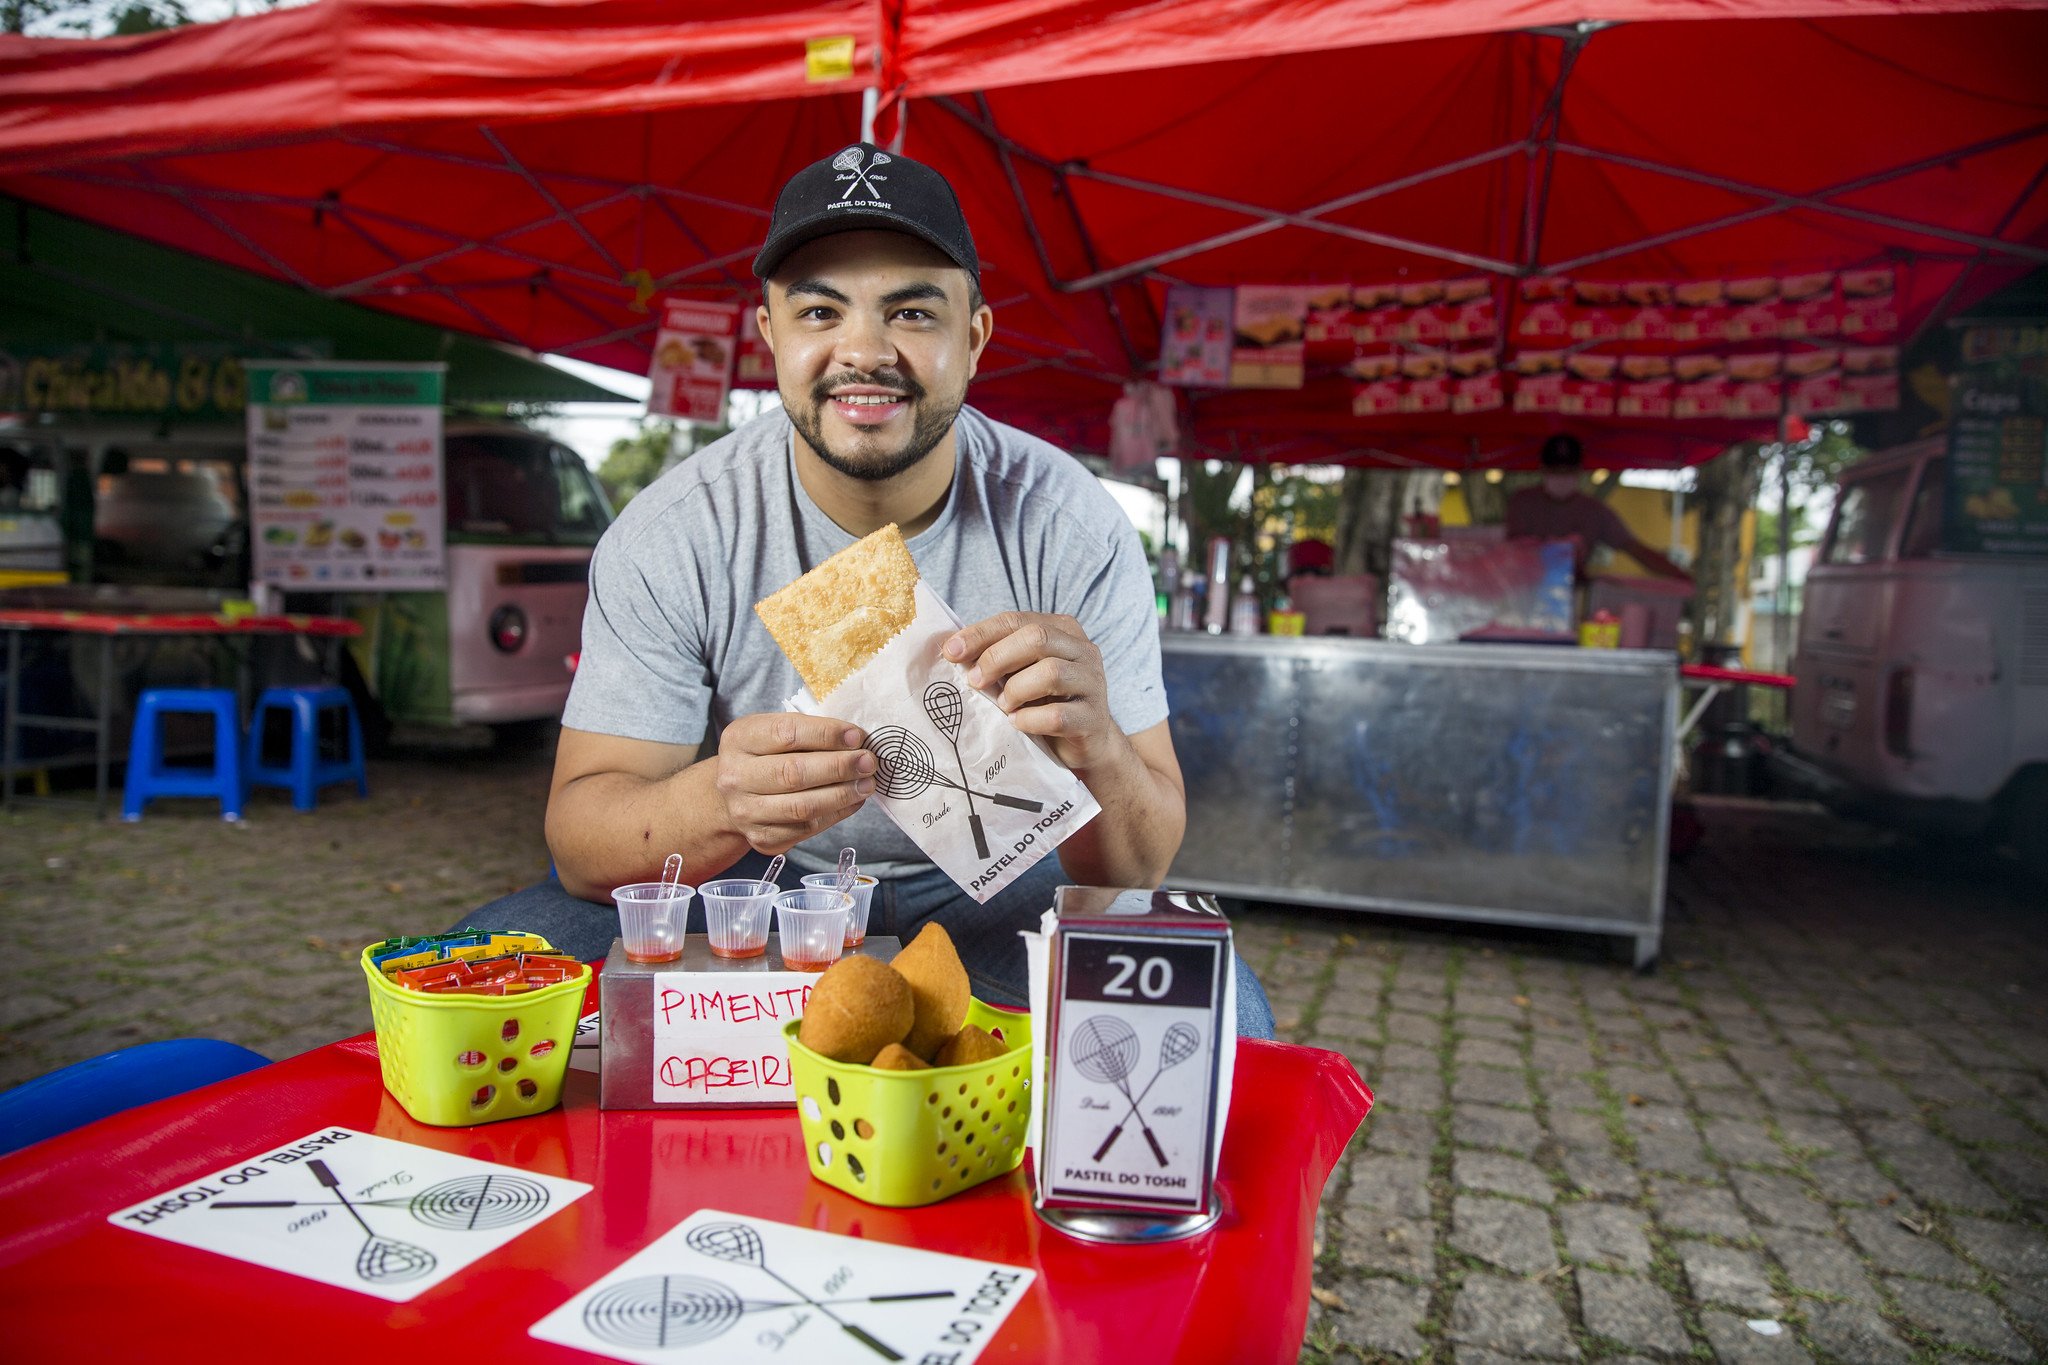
65 283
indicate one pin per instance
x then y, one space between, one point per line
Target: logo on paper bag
904 766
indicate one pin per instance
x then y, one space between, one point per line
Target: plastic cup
863 891
812 924
736 916
652 916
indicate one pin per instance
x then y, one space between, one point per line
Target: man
873 311
1557 510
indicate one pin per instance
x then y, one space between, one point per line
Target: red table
109 625
75 1287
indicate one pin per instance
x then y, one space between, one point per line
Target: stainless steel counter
1516 784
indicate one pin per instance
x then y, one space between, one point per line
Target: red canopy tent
534 172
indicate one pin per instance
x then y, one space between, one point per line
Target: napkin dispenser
1138 1040
702 1032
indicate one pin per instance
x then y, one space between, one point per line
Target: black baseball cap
866 187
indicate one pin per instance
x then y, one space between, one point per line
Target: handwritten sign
718 1036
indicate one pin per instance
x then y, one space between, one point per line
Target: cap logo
859 179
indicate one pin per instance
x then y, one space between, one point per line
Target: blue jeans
986 935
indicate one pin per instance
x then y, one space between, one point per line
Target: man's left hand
1048 676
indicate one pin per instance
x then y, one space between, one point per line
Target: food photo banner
345 475
693 360
1757 346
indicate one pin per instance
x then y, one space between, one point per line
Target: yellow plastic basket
904 1138
457 1060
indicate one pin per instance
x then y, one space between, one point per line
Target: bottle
1169 585
1244 609
1217 616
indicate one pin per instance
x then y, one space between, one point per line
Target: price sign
1132 1114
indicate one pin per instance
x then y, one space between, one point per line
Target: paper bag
981 798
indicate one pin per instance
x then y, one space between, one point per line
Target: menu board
345 486
1750 347
693 360
1996 501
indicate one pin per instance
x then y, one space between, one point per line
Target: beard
865 458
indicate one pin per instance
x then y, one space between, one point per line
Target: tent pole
571 177
1002 150
722 263
447 292
1543 148
547 197
1940 309
1269 219
183 193
189 203
870 103
1778 200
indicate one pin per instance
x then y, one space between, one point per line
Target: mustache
884 378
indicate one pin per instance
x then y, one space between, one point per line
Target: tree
92 18
1724 488
637 460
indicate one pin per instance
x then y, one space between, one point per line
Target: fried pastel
840 614
938 989
897 1057
970 1044
859 1006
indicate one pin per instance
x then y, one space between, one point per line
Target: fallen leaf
1347 940
395 888
1522 1001
1327 1298
1889 1199
1637 1100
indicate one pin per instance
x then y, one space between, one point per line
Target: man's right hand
785 777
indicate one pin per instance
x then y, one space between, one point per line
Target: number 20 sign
1131 1117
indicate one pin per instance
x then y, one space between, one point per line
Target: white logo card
1131 1118
723 1287
385 1218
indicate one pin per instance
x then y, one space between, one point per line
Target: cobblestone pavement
1818 1132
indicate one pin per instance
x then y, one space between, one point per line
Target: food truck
523 512
1921 693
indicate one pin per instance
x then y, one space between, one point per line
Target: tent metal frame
1541 146
412 272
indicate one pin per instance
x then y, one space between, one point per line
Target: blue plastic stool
305 773
92 1089
149 778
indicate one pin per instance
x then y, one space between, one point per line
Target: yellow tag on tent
828 59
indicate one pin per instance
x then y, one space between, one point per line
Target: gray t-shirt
672 649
